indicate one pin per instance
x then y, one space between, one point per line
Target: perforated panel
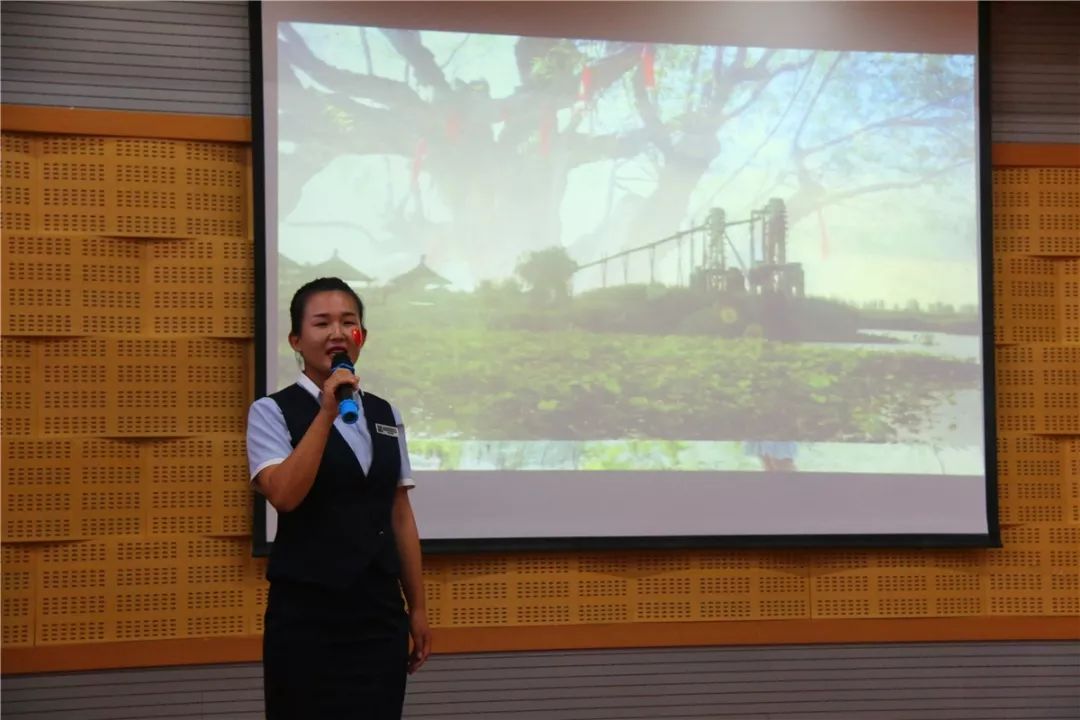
1037 211
1039 389
908 584
1069 281
130 387
1037 572
612 588
138 589
1025 299
199 486
69 488
1071 488
1030 487
188 273
21 174
128 284
18 595
128 287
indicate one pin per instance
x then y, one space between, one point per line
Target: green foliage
474 382
443 453
563 58
547 273
610 365
662 310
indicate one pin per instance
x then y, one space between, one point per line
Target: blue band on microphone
348 410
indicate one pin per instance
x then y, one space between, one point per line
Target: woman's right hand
339 377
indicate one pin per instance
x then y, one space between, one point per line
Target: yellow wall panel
127 363
165 587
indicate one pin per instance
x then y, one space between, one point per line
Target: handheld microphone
347 407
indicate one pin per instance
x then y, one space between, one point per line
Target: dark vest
343 525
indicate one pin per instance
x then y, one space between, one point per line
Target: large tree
501 165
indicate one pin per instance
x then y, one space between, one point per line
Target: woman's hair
320 285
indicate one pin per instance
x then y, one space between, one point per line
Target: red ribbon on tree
585 87
648 69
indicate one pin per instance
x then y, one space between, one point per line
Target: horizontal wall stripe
1006 680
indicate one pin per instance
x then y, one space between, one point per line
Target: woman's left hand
421 639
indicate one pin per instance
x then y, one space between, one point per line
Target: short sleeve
405 480
268 441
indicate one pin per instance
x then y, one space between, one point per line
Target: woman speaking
336 642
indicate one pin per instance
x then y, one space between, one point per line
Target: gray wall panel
1035 72
45 48
189 57
954 681
193 57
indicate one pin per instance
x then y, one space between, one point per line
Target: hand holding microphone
343 393
347 407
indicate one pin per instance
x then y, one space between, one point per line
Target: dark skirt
340 654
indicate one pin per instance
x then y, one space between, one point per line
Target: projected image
598 255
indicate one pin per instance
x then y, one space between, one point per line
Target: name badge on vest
386 430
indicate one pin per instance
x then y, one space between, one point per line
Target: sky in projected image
533 225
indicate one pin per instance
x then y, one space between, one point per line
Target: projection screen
646 273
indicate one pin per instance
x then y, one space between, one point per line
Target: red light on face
357 336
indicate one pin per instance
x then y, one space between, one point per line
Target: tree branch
813 101
650 117
520 110
584 149
831 198
527 50
762 84
408 45
722 79
358 129
908 119
607 70
760 69
345 82
372 132
769 136
688 103
455 51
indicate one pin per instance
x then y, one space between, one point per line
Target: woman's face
326 330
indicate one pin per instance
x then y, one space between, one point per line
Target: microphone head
341 360
348 410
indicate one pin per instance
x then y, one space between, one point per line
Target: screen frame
261 547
